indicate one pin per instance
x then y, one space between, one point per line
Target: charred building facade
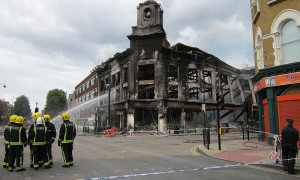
153 84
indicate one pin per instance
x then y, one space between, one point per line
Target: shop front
278 97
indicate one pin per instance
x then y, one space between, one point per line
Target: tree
5 111
21 107
55 102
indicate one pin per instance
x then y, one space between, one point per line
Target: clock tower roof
149 2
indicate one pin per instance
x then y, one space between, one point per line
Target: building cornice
276 70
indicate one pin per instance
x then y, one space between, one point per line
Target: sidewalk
244 151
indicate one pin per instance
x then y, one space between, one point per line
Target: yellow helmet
12 118
65 116
20 120
36 115
47 118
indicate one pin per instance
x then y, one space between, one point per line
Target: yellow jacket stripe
65 136
16 143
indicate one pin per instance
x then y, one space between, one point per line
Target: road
141 157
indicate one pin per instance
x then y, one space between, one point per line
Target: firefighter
39 138
35 116
18 141
67 134
52 132
11 123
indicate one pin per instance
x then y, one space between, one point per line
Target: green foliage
55 102
4 112
22 107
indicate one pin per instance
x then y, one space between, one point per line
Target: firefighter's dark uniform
31 130
52 133
290 137
17 139
67 134
35 116
6 138
39 138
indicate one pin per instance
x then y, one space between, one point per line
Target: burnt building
153 84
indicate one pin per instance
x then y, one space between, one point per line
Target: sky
54 44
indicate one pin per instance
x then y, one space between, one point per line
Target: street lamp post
203 89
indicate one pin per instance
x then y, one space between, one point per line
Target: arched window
284 27
259 50
290 42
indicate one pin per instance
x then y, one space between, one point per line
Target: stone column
162 118
130 117
183 118
130 121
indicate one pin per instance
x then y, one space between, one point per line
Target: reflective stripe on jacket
51 130
67 132
17 135
38 135
7 133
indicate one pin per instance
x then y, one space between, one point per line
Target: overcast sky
52 44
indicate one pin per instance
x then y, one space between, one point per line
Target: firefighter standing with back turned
52 132
12 120
35 116
67 134
39 138
18 141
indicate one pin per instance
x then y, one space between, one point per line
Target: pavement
252 152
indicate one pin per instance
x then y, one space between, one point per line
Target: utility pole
218 122
203 87
219 101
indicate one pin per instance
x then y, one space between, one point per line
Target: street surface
141 157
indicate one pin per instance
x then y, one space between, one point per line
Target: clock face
147 13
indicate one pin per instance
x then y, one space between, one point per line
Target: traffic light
220 101
36 110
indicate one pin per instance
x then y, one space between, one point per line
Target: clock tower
149 14
149 32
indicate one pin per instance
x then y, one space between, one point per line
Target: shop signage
284 79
